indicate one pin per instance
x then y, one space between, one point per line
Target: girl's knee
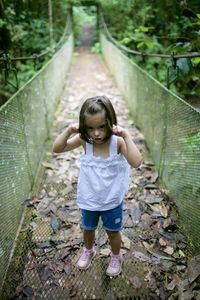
113 234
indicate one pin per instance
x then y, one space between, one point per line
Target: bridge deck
50 266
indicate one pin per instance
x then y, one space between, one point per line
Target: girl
103 179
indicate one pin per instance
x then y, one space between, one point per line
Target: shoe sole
85 268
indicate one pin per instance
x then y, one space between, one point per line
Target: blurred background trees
168 27
25 31
164 27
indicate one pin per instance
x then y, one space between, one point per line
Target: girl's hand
119 131
127 147
64 142
73 128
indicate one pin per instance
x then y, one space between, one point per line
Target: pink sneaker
115 265
86 258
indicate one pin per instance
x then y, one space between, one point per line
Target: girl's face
96 127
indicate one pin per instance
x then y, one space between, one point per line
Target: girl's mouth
97 140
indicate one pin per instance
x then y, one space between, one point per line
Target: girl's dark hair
95 105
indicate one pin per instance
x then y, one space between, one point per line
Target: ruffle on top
102 182
101 162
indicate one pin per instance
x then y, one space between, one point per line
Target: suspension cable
7 60
43 53
141 53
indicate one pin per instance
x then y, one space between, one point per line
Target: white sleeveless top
102 182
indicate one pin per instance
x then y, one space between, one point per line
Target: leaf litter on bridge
156 263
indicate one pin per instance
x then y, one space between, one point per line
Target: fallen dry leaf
162 242
126 242
135 213
135 281
169 250
160 209
68 267
104 252
193 268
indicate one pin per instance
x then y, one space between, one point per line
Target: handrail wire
7 60
37 56
140 53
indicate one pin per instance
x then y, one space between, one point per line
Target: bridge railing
172 131
25 121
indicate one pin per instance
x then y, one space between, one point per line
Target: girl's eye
102 127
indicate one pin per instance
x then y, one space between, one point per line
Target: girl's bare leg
89 236
115 241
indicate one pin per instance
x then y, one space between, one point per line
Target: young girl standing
103 180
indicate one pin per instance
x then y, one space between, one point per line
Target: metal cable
37 56
140 53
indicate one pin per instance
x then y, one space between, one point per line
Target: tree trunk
50 23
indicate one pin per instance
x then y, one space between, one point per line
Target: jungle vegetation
166 27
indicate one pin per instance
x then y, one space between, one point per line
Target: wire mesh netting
24 126
172 131
48 237
152 246
48 258
52 239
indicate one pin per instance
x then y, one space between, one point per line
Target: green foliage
190 145
24 31
196 61
184 65
82 15
96 48
165 27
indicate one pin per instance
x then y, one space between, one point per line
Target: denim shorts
112 219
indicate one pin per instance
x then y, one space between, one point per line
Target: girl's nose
96 132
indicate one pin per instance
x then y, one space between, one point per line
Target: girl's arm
64 143
127 147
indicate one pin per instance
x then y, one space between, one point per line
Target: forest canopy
165 27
